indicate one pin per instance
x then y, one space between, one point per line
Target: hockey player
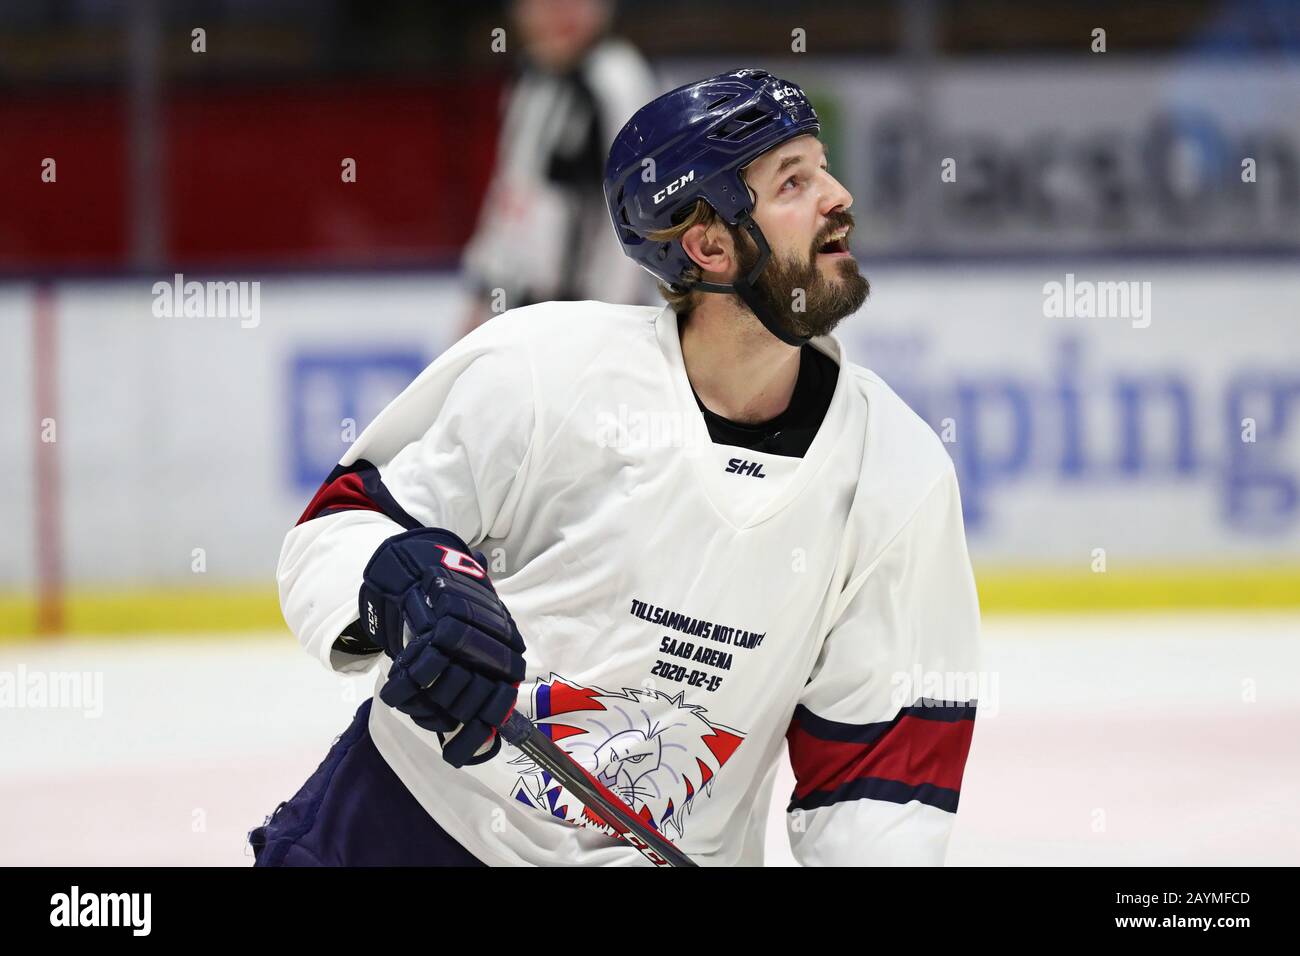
672 537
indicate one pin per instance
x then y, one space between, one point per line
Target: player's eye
792 179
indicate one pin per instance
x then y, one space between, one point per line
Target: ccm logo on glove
462 562
458 657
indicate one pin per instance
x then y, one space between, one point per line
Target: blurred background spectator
543 231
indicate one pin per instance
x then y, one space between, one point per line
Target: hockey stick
595 796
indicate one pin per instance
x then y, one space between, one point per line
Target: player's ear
710 247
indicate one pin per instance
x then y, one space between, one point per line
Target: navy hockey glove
426 599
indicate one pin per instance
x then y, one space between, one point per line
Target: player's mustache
838 221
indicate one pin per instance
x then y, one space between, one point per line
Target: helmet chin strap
743 286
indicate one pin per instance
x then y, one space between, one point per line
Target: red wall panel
252 176
79 220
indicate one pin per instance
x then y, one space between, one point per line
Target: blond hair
702 214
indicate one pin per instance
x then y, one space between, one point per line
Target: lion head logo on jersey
656 752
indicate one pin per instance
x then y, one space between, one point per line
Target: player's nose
835 197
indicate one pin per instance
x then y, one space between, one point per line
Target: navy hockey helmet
692 143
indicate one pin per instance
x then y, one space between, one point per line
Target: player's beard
825 301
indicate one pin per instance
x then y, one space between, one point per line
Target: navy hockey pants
354 811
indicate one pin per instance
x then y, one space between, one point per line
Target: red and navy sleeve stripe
356 487
919 755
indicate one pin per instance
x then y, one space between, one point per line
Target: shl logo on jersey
738 466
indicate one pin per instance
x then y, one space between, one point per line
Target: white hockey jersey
685 605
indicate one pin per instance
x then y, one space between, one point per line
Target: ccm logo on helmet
462 562
672 187
785 91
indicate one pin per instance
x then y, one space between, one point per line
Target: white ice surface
1152 739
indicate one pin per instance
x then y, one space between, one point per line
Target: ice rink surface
1142 739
